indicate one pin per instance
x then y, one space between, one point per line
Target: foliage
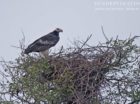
108 73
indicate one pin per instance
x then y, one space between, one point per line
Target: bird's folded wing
45 42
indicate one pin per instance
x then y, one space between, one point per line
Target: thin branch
104 34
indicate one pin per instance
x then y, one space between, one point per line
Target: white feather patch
46 42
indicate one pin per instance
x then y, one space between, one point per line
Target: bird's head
58 30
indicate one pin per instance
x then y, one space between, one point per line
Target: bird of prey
44 43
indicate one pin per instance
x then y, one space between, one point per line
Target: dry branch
84 75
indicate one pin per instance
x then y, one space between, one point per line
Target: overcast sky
77 18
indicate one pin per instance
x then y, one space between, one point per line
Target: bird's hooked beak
59 30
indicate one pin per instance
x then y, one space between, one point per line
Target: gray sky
77 18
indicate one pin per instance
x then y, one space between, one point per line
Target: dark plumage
44 43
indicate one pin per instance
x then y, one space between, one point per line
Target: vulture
44 43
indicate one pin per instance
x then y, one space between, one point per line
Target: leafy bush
108 73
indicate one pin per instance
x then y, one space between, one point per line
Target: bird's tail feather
27 51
